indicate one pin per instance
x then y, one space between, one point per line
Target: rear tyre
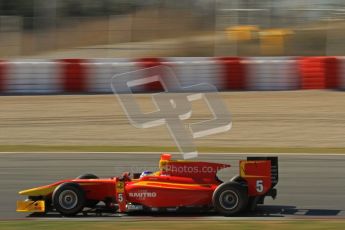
239 179
230 198
251 204
68 199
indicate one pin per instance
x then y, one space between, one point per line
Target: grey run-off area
309 185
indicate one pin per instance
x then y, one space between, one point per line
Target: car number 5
120 197
259 186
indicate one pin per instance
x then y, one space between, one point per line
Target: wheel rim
68 199
228 200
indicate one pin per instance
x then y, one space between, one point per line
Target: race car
178 184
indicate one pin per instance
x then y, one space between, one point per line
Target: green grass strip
188 224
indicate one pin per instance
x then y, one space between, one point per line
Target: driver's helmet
145 173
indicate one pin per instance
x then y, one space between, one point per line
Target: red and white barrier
192 71
319 72
3 76
74 75
102 70
341 66
226 73
32 77
272 73
233 73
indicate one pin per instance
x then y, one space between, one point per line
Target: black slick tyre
230 198
68 199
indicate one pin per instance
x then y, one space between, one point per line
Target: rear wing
261 175
274 167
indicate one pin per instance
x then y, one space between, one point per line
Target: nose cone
39 191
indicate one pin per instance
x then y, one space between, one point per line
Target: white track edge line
175 153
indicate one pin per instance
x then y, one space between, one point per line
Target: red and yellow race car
177 185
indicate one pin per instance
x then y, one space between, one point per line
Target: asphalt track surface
310 186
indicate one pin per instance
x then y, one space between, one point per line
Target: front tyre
230 198
68 199
87 176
